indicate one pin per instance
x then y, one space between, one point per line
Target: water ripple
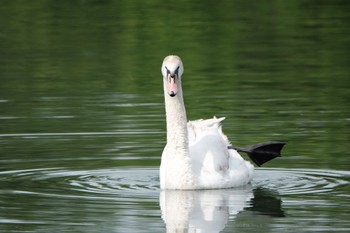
301 181
136 181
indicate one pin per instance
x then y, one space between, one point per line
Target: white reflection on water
202 210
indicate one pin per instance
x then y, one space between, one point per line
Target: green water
82 122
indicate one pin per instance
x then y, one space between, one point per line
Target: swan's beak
172 81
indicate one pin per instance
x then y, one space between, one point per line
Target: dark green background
81 88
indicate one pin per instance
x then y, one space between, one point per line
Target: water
127 199
82 121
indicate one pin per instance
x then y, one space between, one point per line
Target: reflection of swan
201 210
196 154
209 210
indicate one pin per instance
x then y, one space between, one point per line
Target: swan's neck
176 120
177 166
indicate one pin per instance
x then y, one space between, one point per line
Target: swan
196 154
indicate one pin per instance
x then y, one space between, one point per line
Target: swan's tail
201 127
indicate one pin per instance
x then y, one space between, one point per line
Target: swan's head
172 69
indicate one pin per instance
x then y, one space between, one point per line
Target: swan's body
196 154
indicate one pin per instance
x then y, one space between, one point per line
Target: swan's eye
167 71
177 71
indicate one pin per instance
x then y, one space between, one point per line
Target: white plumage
196 154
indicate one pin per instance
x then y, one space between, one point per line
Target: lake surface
82 123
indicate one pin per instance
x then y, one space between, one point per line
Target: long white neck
176 168
176 120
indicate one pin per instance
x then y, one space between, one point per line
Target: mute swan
196 155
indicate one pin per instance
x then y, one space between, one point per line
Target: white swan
196 154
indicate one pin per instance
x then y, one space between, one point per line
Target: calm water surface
82 123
